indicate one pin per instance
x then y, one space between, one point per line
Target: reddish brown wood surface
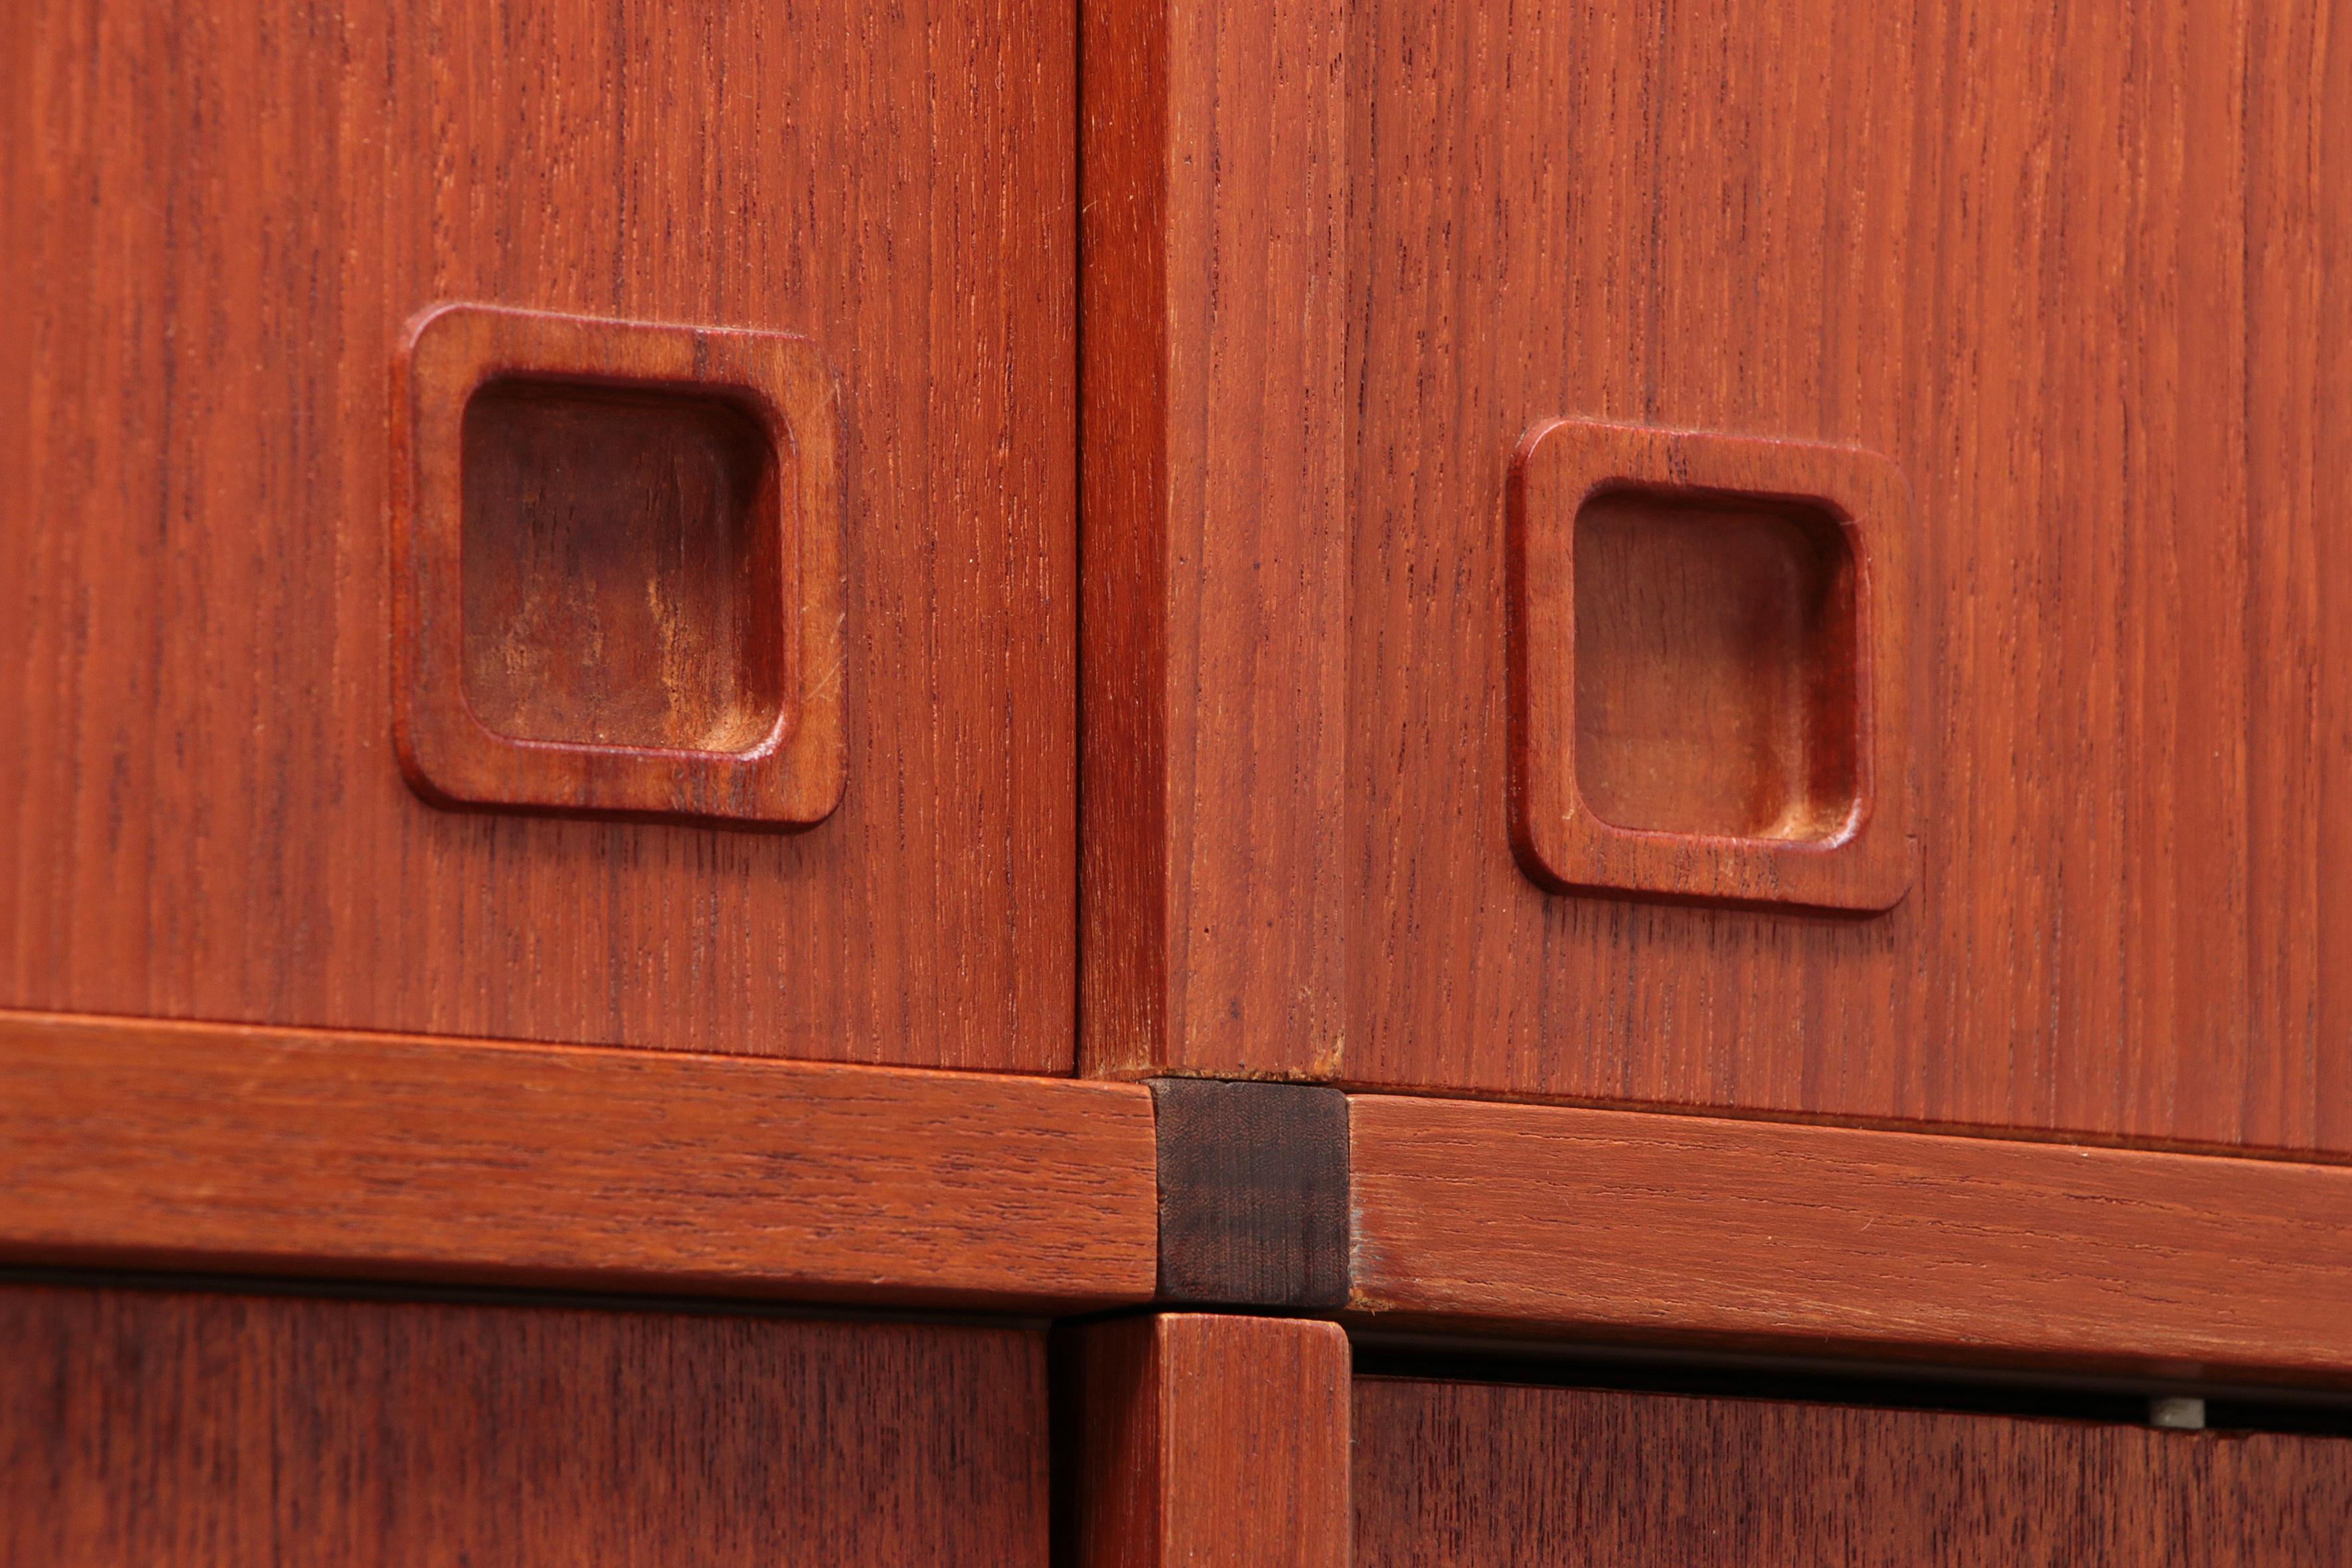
196 1430
1207 1441
2079 272
1624 1224
219 221
617 567
163 1145
1710 668
1213 476
1482 1476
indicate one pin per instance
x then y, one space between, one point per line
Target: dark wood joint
1254 1200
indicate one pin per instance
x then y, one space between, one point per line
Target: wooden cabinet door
734 646
2065 272
1473 1475
1757 556
160 1429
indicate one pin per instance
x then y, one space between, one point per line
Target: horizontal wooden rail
127 1143
1625 1225
169 1145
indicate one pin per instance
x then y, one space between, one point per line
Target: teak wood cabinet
1610 741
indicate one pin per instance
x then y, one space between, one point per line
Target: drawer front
738 662
150 1427
2062 271
1473 1475
1764 557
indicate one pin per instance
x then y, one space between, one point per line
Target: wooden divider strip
1187 1440
129 1143
1616 1224
1213 528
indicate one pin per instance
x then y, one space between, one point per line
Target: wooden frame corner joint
1254 1194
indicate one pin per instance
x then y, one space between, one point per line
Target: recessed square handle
618 568
1710 668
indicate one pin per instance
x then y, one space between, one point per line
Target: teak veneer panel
1487 1476
167 1145
2080 273
1188 1440
191 1431
2074 273
1627 1225
219 221
1215 669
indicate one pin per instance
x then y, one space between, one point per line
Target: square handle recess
1710 668
617 563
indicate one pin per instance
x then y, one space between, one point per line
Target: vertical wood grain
1214 514
223 216
2073 268
1484 1476
1201 1440
164 1430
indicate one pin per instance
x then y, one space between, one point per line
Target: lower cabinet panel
1481 1476
165 1429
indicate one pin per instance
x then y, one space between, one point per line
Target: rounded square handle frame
792 772
1861 861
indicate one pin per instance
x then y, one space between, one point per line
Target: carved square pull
1710 668
618 568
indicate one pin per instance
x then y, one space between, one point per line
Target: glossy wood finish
1209 1442
1622 1225
183 1146
168 1430
616 568
1484 1476
220 220
1710 668
2078 272
1215 472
